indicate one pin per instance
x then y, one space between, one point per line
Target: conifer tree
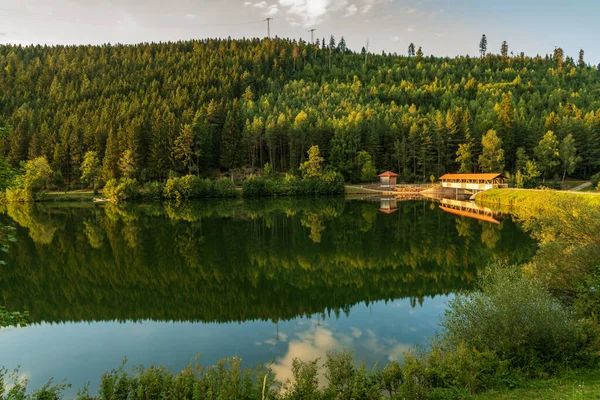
313 166
504 50
342 47
419 54
127 164
483 45
183 150
411 50
581 62
91 168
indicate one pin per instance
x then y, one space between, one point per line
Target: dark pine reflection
240 260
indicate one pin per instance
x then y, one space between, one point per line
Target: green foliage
492 156
547 155
227 379
26 186
531 174
368 173
517 320
596 179
194 187
91 168
411 114
327 184
312 167
127 165
223 187
267 170
464 156
14 387
122 190
153 190
568 155
19 195
12 318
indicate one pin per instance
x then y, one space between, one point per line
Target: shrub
153 190
328 184
224 187
200 188
596 180
225 380
19 195
124 189
517 319
253 186
194 187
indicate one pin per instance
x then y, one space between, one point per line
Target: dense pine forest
151 111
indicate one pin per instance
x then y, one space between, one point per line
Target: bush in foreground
511 329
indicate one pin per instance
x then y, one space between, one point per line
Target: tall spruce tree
483 45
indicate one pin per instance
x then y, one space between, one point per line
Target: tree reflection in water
240 260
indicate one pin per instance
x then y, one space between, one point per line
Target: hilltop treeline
164 109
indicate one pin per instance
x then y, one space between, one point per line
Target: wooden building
474 182
388 179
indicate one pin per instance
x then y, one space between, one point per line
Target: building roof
464 177
469 214
389 174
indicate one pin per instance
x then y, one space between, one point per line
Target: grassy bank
578 385
530 197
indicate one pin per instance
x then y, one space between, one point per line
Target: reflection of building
388 206
473 182
468 209
388 179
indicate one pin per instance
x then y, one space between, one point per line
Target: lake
266 280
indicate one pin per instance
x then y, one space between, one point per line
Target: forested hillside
203 106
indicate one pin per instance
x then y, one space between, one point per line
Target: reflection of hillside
236 261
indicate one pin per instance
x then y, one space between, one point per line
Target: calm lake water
262 279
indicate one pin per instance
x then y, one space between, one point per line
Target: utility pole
312 39
268 19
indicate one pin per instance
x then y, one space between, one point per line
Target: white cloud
311 12
395 38
411 11
190 16
351 10
262 4
272 11
410 29
356 332
247 3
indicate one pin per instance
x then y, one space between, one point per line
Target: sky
441 27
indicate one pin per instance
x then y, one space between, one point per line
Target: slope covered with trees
154 110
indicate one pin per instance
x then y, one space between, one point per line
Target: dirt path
582 186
